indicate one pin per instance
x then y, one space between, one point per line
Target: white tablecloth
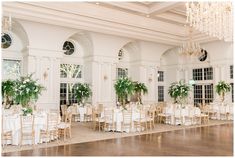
180 112
12 123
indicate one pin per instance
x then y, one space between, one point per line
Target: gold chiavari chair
51 130
6 135
88 114
109 119
27 131
141 121
98 121
63 111
151 118
64 128
127 120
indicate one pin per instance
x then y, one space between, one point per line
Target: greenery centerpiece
179 91
221 88
8 91
82 92
123 87
27 90
139 89
27 111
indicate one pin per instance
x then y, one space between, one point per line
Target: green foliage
140 88
8 91
221 88
179 91
27 110
124 87
27 90
82 92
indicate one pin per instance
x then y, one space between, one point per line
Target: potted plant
123 87
82 92
179 91
139 89
221 88
8 91
27 90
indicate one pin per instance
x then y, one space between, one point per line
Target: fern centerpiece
8 91
124 87
82 92
139 89
27 90
179 91
221 88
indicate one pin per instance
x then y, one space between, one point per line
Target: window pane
160 93
208 73
160 76
70 71
197 74
197 89
11 68
208 93
122 72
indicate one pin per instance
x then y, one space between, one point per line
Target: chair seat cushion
63 125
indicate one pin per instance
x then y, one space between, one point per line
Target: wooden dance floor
201 141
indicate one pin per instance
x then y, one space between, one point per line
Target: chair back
191 112
52 121
68 118
100 107
108 115
127 116
177 113
89 110
64 109
27 123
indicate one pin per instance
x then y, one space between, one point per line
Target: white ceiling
162 22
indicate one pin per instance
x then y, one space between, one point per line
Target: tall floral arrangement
27 90
8 91
124 87
139 89
82 92
221 88
179 91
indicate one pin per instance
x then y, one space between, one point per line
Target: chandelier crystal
190 48
213 18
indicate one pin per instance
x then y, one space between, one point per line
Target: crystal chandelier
213 18
190 48
6 24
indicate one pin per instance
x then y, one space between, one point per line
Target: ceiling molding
159 8
77 15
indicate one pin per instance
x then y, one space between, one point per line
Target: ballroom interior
67 44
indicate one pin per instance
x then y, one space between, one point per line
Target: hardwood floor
201 141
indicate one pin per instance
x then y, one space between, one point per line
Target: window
67 93
11 68
68 47
197 74
208 73
197 89
231 71
208 93
203 94
121 72
70 71
203 74
6 40
232 91
160 93
160 76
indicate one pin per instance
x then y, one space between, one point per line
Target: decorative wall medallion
6 40
68 47
203 57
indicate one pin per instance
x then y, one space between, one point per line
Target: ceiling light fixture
213 18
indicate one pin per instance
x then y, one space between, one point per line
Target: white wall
98 53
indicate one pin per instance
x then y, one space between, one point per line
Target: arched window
68 47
